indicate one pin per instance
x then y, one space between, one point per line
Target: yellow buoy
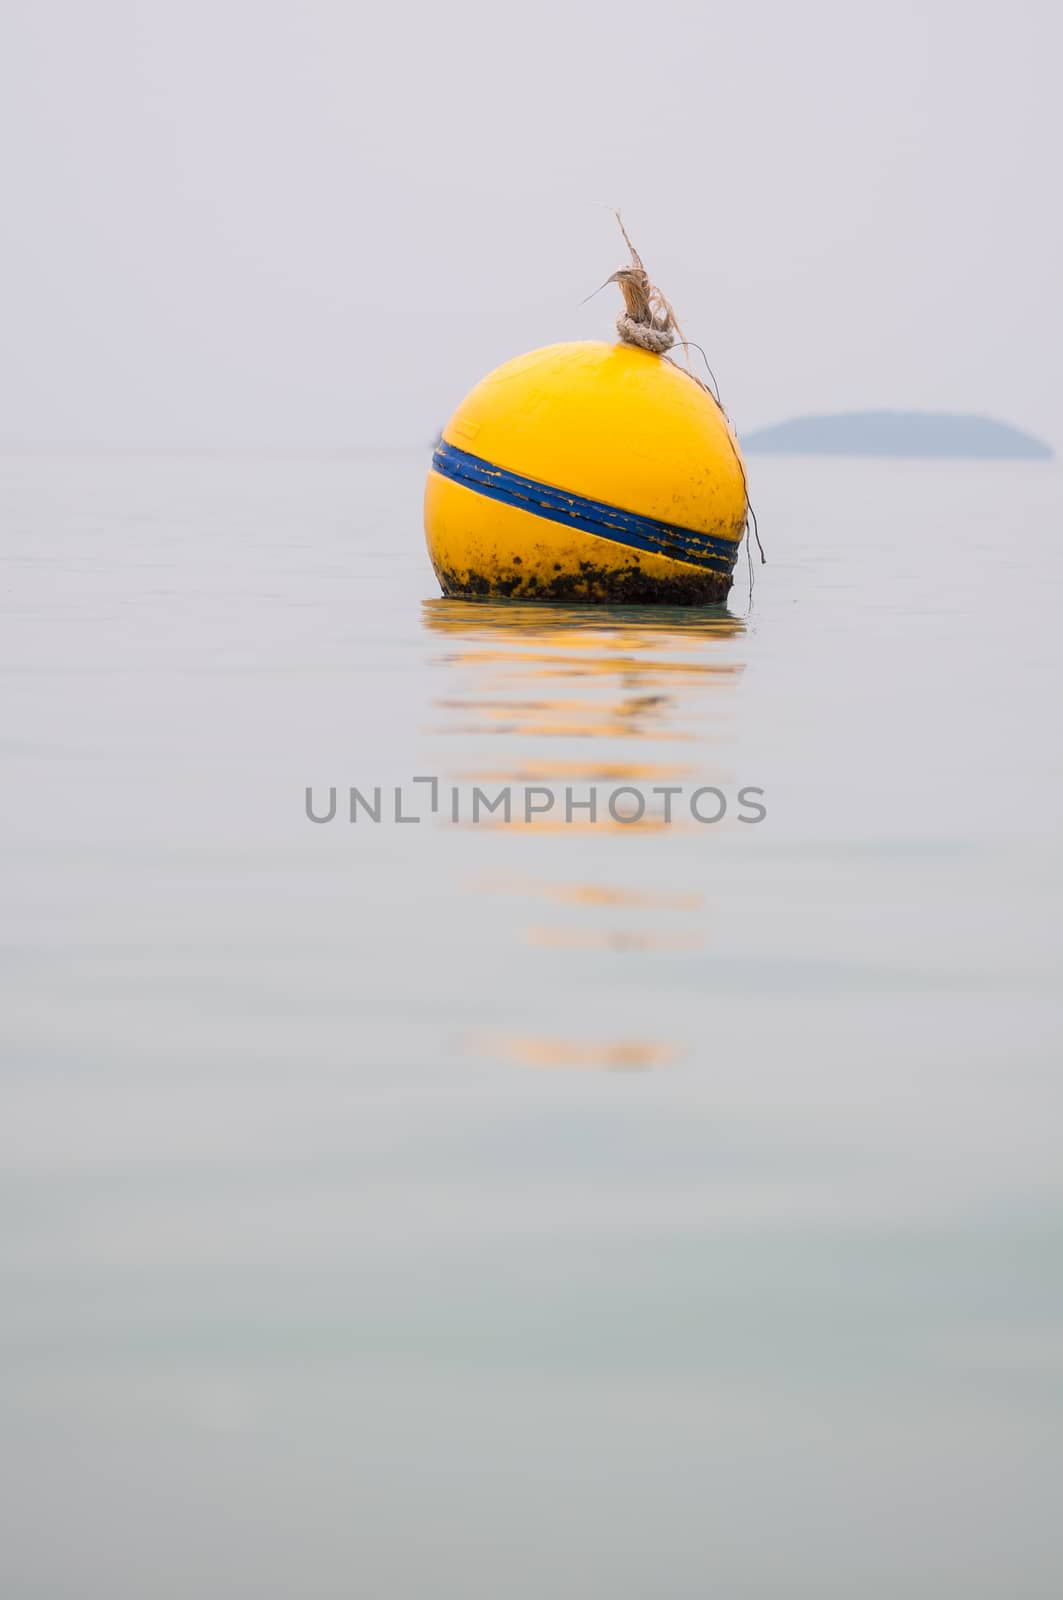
587 472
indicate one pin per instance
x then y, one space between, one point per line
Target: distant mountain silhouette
926 434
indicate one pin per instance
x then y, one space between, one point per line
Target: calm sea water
448 1211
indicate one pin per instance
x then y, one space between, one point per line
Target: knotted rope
647 319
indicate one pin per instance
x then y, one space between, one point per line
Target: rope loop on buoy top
647 319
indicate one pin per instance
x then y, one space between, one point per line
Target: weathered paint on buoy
587 472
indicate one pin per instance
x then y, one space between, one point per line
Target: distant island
928 435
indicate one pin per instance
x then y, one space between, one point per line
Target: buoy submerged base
591 584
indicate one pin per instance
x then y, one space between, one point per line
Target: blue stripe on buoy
592 516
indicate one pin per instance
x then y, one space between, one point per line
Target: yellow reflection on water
602 825
587 770
495 618
589 894
561 718
530 1050
574 695
634 664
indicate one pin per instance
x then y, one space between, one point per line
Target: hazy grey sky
314 223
